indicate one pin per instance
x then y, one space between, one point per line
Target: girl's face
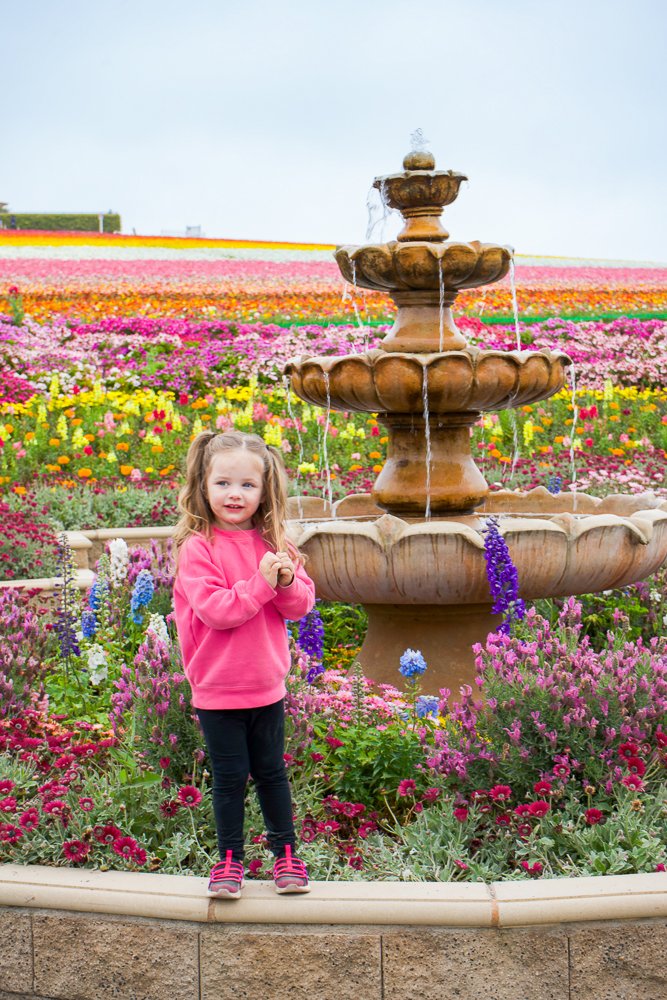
234 488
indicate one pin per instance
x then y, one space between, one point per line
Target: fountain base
444 634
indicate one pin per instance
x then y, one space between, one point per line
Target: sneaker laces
227 869
289 865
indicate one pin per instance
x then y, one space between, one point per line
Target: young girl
237 580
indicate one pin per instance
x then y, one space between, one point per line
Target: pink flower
9 833
255 867
165 762
334 742
76 850
106 834
8 804
500 793
660 739
628 750
406 787
593 816
660 867
542 787
6 786
29 819
356 861
535 869
189 796
633 781
460 813
636 765
317 757
170 807
124 847
86 804
431 795
461 864
539 808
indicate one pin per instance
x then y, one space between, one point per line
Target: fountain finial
419 157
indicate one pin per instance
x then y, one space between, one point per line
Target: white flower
656 596
120 558
158 626
98 667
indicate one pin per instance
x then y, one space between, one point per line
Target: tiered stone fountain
412 551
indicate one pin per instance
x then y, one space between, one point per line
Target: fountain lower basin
424 582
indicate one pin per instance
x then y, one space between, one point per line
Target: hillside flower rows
114 352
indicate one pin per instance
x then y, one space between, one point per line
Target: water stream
575 414
515 305
299 437
427 432
325 450
441 312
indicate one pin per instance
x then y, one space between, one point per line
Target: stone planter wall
69 934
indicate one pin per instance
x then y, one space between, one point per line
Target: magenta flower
593 816
539 808
535 869
460 813
406 787
500 793
124 847
189 796
76 850
636 766
633 781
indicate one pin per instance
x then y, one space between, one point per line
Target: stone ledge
435 904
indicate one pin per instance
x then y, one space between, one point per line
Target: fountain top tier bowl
422 270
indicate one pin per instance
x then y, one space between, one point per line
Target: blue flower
412 663
311 634
142 593
427 704
88 624
554 484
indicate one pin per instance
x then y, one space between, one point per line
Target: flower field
114 351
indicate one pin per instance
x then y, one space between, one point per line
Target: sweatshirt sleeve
213 601
298 599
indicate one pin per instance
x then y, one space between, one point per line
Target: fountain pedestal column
445 635
456 485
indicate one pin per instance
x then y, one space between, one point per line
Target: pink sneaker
290 874
226 878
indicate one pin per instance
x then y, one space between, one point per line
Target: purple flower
503 577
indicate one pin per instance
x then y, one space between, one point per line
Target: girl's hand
286 571
270 565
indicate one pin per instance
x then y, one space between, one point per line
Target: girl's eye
251 485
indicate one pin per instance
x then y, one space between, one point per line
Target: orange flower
76 421
21 490
84 473
377 468
374 454
62 460
54 442
125 470
157 448
122 446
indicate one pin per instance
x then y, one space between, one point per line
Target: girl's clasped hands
277 568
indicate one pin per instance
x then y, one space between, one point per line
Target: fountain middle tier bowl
469 380
423 266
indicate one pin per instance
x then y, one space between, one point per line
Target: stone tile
15 951
293 963
111 958
475 965
619 961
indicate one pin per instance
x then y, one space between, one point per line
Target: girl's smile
234 488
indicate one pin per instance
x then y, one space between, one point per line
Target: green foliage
52 222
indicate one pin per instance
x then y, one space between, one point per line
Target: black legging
243 741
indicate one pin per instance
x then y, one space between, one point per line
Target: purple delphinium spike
503 577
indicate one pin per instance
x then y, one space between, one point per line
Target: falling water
427 432
575 414
515 306
363 327
516 451
441 314
299 437
325 451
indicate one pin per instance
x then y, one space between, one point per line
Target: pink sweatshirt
231 622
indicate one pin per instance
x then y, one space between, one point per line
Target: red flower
255 867
461 864
356 862
660 867
140 856
189 796
106 834
9 833
76 850
29 819
628 750
524 829
406 787
86 804
55 808
502 819
431 795
539 808
561 770
535 869
170 807
8 804
633 781
542 787
165 762
500 793
124 847
634 764
661 738
6 786
317 757
13 290
308 830
334 742
593 816
461 814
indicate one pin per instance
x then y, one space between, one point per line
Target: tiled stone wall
58 955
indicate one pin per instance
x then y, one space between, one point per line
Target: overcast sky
269 120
